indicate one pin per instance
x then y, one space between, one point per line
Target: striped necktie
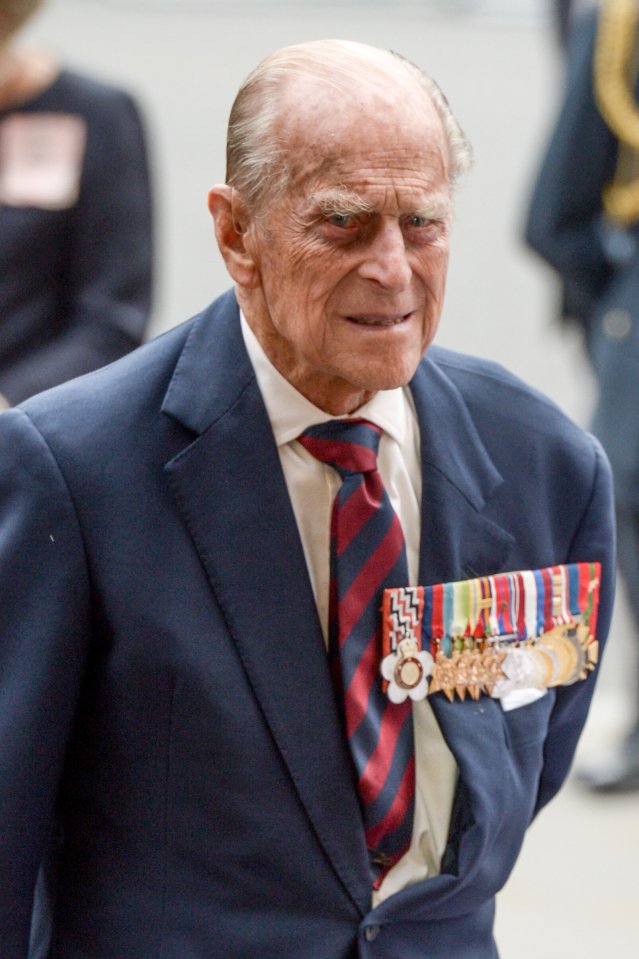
367 555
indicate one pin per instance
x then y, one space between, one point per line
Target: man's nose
386 259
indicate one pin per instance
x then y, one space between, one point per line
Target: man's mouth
377 319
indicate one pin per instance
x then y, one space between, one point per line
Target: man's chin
342 392
387 378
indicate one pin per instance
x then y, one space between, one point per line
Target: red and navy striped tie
367 555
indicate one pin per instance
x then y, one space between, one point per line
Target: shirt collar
291 413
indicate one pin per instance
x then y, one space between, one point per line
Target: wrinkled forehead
373 130
342 101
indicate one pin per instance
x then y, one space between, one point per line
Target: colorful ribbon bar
530 629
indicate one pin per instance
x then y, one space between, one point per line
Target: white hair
255 158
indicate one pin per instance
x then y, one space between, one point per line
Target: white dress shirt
312 486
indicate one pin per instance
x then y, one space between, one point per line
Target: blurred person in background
565 12
584 221
75 219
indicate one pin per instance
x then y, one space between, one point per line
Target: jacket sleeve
44 625
594 541
105 290
564 224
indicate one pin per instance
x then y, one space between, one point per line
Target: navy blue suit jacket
167 723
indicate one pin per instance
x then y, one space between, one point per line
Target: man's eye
418 221
342 220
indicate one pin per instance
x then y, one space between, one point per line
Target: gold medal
492 660
549 665
444 676
563 643
471 672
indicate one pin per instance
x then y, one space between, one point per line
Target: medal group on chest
531 629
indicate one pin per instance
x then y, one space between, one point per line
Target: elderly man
198 751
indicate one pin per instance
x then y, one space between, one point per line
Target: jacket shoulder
490 389
525 433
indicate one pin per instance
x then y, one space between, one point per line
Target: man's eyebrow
436 208
343 202
349 203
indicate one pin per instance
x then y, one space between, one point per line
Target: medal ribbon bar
528 629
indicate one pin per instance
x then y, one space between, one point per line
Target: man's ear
231 225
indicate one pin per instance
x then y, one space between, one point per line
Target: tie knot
350 446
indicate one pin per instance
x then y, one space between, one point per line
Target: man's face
352 259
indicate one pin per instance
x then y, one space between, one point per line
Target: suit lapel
229 485
458 540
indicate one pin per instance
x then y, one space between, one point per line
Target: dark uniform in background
75 234
561 14
584 221
564 13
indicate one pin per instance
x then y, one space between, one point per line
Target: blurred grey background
572 893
